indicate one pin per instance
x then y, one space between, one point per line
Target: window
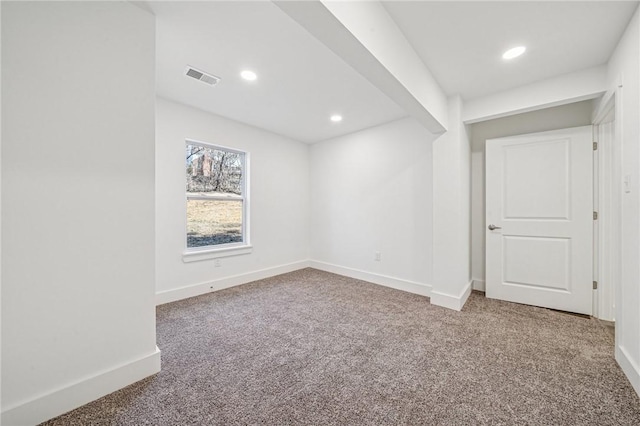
217 202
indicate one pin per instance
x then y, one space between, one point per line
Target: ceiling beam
564 89
366 37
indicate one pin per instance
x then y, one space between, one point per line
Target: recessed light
248 75
514 53
336 118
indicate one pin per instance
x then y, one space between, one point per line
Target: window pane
212 222
213 171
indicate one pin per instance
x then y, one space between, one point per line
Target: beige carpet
315 348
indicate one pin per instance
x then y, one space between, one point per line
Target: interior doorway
539 219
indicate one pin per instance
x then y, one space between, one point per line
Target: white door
539 219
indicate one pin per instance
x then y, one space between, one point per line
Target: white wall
571 115
78 318
279 203
623 79
451 212
372 192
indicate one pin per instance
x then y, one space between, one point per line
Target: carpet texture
310 347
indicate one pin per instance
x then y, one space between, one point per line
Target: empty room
320 212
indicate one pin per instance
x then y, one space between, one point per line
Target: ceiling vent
210 79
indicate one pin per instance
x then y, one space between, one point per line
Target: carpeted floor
315 348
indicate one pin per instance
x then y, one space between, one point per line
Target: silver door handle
492 227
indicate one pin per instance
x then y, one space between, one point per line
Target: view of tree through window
215 195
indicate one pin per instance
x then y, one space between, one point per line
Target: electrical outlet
217 263
377 257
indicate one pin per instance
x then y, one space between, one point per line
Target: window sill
198 255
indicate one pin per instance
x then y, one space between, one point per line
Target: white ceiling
300 81
462 42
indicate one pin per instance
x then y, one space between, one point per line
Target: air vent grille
209 79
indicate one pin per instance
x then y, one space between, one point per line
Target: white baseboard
629 367
479 285
384 280
70 397
226 282
449 301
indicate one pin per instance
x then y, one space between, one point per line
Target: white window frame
194 254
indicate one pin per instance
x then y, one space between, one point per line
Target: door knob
492 227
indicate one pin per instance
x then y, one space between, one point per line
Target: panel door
539 214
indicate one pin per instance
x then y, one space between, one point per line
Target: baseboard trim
629 367
383 280
60 401
479 285
449 301
167 296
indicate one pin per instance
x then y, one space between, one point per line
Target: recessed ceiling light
248 75
336 118
514 53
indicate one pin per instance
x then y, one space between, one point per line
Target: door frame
607 165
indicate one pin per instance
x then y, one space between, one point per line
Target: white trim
630 368
383 280
598 206
226 282
452 302
214 145
607 202
479 285
605 236
64 399
195 255
214 197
